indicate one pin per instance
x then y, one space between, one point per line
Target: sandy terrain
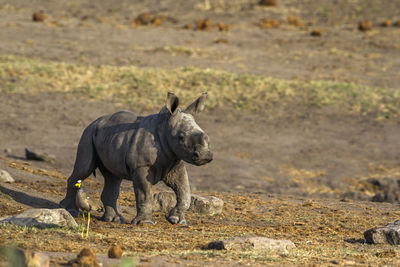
267 163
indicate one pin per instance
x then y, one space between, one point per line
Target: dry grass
145 89
322 232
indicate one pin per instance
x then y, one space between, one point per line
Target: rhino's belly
111 150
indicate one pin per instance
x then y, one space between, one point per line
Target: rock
222 27
39 155
203 24
86 258
386 23
19 257
38 16
115 252
293 20
316 33
253 243
42 218
8 151
365 25
149 19
187 26
268 23
165 201
221 41
86 252
388 234
5 177
207 205
158 20
267 3
388 190
143 19
37 259
85 262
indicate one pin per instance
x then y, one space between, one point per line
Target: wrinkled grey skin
145 150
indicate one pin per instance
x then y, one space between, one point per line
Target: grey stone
42 218
39 155
207 205
388 190
244 243
19 257
36 259
5 177
165 201
388 234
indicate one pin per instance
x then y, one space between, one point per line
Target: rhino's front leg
143 195
178 180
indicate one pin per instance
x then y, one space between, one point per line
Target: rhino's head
187 140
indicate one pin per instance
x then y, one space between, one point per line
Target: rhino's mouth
201 158
201 162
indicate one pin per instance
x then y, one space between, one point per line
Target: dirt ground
267 165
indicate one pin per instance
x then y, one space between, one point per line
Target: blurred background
303 95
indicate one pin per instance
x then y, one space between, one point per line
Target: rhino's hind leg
144 197
68 202
178 180
85 164
109 197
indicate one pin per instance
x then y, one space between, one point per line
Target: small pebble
115 252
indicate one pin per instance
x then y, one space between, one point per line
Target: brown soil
267 166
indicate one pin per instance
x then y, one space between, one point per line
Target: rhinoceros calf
145 150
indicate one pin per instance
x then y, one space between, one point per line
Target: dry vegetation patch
145 88
268 23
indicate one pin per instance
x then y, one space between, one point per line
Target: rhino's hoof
148 222
175 220
110 215
183 223
137 221
118 219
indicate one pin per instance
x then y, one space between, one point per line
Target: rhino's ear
198 105
172 103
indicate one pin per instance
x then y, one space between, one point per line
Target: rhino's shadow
32 201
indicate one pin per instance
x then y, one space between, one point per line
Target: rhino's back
118 118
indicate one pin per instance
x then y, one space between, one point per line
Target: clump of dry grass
145 88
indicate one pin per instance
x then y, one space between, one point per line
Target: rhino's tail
86 160
85 164
96 159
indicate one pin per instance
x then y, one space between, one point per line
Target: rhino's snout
202 158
